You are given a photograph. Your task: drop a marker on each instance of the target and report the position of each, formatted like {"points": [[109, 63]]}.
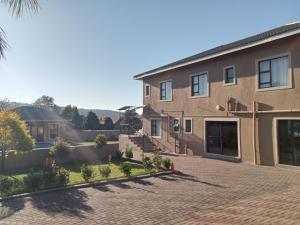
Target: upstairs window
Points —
{"points": [[188, 125], [273, 72], [229, 75], [166, 90], [200, 85], [147, 90]]}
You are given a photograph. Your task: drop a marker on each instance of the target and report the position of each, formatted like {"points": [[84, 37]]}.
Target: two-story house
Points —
{"points": [[239, 101]]}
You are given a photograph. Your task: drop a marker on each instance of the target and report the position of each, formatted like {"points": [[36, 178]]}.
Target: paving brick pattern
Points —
{"points": [[205, 191]]}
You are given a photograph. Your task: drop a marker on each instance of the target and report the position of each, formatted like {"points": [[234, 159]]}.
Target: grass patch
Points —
{"points": [[75, 175]]}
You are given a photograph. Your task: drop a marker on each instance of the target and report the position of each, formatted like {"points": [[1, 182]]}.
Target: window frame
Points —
{"points": [[159, 137], [225, 75], [166, 100], [184, 125], [58, 131], [192, 87], [257, 61], [147, 85]]}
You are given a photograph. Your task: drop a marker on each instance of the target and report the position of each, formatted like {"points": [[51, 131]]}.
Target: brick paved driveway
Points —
{"points": [[205, 192]]}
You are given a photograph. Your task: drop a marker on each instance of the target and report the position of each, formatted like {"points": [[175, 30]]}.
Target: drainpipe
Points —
{"points": [[254, 132]]}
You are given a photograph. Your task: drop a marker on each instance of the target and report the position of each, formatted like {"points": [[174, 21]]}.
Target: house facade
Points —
{"points": [[45, 126], [239, 101]]}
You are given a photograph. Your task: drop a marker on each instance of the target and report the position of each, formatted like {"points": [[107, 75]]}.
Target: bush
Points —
{"points": [[6, 184], [63, 176], [49, 171], [60, 150], [105, 171], [128, 152], [147, 163], [166, 163], [87, 172], [125, 168], [109, 158], [156, 159], [33, 181], [100, 141], [119, 155]]}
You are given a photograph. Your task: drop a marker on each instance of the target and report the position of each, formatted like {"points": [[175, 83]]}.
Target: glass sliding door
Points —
{"points": [[288, 133], [222, 138]]}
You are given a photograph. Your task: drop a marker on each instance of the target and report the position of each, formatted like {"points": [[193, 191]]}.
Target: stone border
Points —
{"points": [[85, 185]]}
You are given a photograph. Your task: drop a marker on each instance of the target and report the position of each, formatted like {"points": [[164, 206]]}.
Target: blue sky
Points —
{"points": [[85, 52]]}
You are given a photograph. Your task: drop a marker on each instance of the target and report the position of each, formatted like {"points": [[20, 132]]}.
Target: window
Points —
{"points": [[273, 72], [176, 125], [147, 90], [166, 90], [229, 75], [53, 131], [188, 125], [199, 85], [155, 127]]}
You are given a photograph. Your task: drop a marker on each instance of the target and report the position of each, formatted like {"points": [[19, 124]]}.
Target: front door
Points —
{"points": [[289, 142]]}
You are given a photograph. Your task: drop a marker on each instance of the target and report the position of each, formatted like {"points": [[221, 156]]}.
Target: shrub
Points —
{"points": [[6, 184], [60, 150], [119, 155], [147, 163], [100, 141], [109, 158], [49, 171], [166, 163], [156, 159], [125, 168], [128, 152], [105, 171], [87, 172], [33, 181], [63, 176]]}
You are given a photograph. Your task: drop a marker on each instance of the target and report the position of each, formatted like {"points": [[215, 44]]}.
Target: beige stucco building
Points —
{"points": [[239, 101]]}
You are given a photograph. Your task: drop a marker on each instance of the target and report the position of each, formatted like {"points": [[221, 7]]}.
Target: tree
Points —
{"points": [[14, 134], [47, 102], [92, 122], [77, 119], [67, 112], [17, 7], [106, 123]]}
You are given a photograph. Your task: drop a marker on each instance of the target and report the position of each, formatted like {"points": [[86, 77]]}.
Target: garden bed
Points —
{"points": [[75, 175]]}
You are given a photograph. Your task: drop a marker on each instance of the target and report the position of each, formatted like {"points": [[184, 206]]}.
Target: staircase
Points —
{"points": [[143, 142]]}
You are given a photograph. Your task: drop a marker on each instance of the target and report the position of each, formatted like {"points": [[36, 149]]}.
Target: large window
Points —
{"points": [[188, 127], [155, 127], [166, 90], [222, 138], [199, 85], [273, 72], [53, 131], [229, 75]]}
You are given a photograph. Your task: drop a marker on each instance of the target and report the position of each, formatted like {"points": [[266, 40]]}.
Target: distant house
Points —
{"points": [[45, 126]]}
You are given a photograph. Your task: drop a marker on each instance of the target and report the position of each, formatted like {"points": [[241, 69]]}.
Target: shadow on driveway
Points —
{"points": [[9, 207]]}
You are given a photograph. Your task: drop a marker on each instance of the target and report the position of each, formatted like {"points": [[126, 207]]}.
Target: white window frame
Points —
{"points": [[218, 156], [184, 124], [58, 131], [224, 75], [191, 84], [290, 80], [147, 85], [176, 132], [158, 137], [275, 138], [166, 100]]}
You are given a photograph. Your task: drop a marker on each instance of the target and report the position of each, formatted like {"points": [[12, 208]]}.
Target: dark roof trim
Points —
{"points": [[262, 38]]}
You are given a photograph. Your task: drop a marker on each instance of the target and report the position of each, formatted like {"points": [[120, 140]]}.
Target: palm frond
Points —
{"points": [[3, 44], [17, 7]]}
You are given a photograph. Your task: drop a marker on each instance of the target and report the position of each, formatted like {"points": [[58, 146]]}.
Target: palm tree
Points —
{"points": [[17, 8]]}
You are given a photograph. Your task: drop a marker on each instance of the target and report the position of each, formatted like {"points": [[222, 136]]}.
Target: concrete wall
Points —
{"points": [[245, 92], [88, 135], [82, 154]]}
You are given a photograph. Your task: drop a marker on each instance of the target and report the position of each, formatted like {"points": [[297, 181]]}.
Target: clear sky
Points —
{"points": [[85, 52]]}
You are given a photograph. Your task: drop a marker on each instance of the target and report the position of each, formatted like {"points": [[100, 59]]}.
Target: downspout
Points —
{"points": [[254, 132]]}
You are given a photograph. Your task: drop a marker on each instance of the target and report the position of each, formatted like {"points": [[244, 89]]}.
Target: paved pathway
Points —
{"points": [[205, 192]]}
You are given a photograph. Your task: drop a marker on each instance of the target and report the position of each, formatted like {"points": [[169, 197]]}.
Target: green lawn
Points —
{"points": [[75, 174]]}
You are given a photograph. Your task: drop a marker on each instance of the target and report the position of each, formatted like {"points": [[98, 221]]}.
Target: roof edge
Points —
{"points": [[260, 42]]}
